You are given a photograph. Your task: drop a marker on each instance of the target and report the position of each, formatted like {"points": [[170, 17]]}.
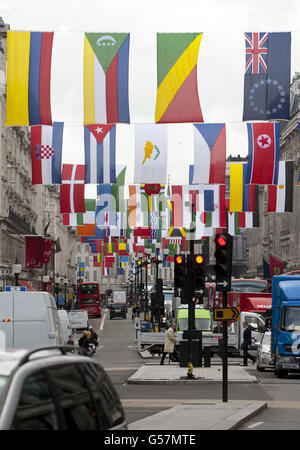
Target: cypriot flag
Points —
{"points": [[151, 148]]}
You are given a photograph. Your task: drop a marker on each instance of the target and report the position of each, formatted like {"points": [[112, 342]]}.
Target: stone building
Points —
{"points": [[26, 209]]}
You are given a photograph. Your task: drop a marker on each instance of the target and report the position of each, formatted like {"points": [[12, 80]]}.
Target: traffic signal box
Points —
{"points": [[179, 275], [223, 266], [198, 275]]}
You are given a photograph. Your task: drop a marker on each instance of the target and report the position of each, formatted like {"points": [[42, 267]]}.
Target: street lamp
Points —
{"points": [[16, 270], [57, 281], [66, 281], [46, 280]]}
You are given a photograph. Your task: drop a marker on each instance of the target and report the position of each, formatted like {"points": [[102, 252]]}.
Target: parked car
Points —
{"points": [[117, 310], [264, 358], [49, 388]]}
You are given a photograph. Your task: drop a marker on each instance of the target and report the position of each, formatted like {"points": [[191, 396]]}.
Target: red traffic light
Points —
{"points": [[179, 260], [199, 259], [221, 241]]}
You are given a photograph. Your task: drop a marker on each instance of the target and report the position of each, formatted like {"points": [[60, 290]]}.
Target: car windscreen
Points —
{"points": [[200, 323], [248, 286], [87, 301], [291, 319], [117, 305], [3, 382]]}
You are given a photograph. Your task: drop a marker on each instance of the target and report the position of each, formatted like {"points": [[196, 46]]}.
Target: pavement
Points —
{"points": [[195, 415]]}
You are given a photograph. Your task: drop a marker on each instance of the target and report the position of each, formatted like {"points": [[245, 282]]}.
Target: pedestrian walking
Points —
{"points": [[169, 347], [246, 344], [219, 328], [70, 342]]}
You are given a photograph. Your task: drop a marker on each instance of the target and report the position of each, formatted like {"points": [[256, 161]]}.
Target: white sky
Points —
{"points": [[220, 64]]}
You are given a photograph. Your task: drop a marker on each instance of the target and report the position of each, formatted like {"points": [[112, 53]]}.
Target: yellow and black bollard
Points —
{"points": [[190, 374]]}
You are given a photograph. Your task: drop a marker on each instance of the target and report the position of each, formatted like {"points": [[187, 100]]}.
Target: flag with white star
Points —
{"points": [[100, 153], [267, 76]]}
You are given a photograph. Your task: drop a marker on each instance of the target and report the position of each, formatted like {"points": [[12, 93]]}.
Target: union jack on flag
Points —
{"points": [[256, 51]]}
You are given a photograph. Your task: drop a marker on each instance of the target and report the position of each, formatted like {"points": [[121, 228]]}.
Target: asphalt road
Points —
{"points": [[118, 355]]}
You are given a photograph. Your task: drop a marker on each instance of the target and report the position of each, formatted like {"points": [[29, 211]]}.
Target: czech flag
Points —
{"points": [[28, 78]]}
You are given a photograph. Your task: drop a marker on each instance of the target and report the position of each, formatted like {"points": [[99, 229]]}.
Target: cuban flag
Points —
{"points": [[72, 189], [209, 153], [267, 76], [100, 153], [263, 153], [46, 153]]}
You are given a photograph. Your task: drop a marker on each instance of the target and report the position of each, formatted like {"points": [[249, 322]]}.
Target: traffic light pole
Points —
{"points": [[191, 321], [224, 353]]}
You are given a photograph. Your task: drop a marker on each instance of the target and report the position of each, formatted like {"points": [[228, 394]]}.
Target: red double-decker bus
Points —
{"points": [[89, 298]]}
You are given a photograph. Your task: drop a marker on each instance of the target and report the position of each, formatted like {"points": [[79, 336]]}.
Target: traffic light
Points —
{"points": [[198, 275], [223, 266], [179, 275]]}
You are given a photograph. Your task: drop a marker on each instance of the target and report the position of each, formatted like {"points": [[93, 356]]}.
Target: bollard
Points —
{"points": [[206, 357]]}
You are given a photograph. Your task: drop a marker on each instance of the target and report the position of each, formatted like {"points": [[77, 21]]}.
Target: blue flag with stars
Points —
{"points": [[267, 76]]}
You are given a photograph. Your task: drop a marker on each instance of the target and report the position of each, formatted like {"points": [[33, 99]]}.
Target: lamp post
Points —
{"points": [[148, 253], [46, 280], [66, 281], [57, 281], [16, 270]]}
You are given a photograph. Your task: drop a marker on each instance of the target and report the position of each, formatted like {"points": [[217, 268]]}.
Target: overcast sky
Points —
{"points": [[220, 64]]}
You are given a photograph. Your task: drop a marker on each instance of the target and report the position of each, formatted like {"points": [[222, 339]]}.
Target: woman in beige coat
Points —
{"points": [[169, 347]]}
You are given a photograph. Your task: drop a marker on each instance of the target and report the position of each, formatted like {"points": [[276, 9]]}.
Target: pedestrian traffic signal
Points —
{"points": [[223, 265], [179, 275], [198, 274]]}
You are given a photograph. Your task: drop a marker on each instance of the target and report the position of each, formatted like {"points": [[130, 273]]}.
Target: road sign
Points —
{"points": [[229, 313]]}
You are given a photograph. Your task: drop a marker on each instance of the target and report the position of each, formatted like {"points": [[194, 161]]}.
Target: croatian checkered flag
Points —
{"points": [[46, 153]]}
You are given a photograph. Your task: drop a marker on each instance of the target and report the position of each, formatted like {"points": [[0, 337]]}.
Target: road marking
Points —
{"points": [[255, 424], [103, 320]]}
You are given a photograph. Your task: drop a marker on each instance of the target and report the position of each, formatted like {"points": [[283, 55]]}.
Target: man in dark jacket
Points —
{"points": [[246, 345]]}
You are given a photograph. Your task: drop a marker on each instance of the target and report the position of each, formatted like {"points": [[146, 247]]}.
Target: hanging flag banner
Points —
{"points": [[280, 196], [28, 78], [46, 153], [177, 89], [77, 219], [34, 258], [209, 153], [276, 265], [151, 152], [100, 153], [267, 76], [263, 153], [72, 189], [236, 186], [106, 64]]}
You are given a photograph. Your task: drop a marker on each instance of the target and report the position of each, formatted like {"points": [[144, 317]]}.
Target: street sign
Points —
{"points": [[229, 313]]}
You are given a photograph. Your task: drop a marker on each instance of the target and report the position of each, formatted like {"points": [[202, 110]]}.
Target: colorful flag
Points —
{"points": [[280, 196], [236, 186], [266, 269], [267, 76], [134, 218], [151, 151], [276, 265], [177, 89], [105, 204], [28, 78], [217, 218], [263, 153], [77, 219], [106, 64], [100, 153], [46, 153], [209, 153], [250, 193], [72, 188]]}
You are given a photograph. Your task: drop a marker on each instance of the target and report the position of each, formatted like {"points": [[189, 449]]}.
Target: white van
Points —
{"points": [[79, 319], [65, 324], [29, 319]]}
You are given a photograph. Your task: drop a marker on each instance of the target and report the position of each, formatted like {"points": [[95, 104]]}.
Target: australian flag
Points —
{"points": [[267, 76]]}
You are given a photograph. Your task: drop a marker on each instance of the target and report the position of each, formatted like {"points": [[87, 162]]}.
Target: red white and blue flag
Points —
{"points": [[46, 153], [100, 153], [72, 189], [263, 153], [209, 153], [267, 76]]}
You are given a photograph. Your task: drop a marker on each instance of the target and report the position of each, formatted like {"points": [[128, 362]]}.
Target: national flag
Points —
{"points": [[81, 269], [280, 196], [177, 88], [100, 153], [105, 205], [46, 153], [28, 78], [266, 269], [76, 219], [267, 76], [106, 67], [276, 265], [72, 188], [151, 151], [236, 186], [134, 218], [86, 230], [263, 153], [209, 153], [34, 254], [217, 218], [250, 193]]}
